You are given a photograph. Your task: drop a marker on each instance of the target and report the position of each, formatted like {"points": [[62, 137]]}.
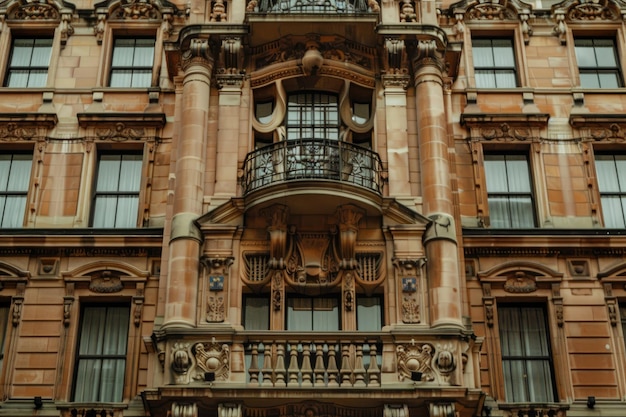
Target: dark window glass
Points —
{"points": [[132, 61], [28, 65], [611, 171], [597, 63], [526, 357], [14, 179], [116, 200], [101, 359], [494, 63], [509, 191]]}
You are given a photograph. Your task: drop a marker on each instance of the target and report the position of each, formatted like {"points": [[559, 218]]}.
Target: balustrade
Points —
{"points": [[313, 363]]}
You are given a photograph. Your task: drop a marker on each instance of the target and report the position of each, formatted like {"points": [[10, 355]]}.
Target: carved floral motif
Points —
{"points": [[415, 358]]}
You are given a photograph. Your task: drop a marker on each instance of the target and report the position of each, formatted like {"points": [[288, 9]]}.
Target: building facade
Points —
{"points": [[303, 208]]}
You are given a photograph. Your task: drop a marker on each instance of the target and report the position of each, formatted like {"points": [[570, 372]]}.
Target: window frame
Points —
{"points": [[598, 69], [294, 128], [515, 68], [24, 193], [133, 69], [621, 193], [118, 193], [549, 357], [29, 68], [531, 194], [333, 297], [124, 357]]}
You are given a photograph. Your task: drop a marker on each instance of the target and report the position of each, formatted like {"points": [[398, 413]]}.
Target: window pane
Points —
{"points": [[131, 63], [611, 175], [118, 183], [14, 181], [257, 313], [29, 62], [101, 358], [609, 80], [127, 207], [368, 313], [597, 63]]}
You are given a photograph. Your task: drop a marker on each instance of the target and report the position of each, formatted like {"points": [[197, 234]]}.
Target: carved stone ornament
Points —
{"points": [[31, 10], [136, 10], [591, 10], [215, 309], [13, 132], [520, 283], [119, 133], [612, 133], [184, 410], [180, 361], [490, 11], [410, 310], [415, 357], [445, 363], [407, 11], [505, 132], [105, 282], [212, 357], [427, 52], [441, 409], [218, 11]]}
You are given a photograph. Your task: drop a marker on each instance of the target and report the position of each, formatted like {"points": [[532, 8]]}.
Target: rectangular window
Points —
{"points": [[256, 314], [494, 63], [28, 65], [313, 314], [116, 200], [132, 61], [622, 314], [509, 191], [101, 360], [369, 313], [526, 358], [597, 63], [14, 179], [611, 171], [4, 323]]}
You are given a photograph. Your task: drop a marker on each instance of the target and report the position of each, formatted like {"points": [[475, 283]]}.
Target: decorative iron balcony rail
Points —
{"points": [[313, 6], [304, 159], [313, 363]]}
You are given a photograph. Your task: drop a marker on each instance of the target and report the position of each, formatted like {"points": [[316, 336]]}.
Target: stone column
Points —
{"points": [[185, 239], [440, 239]]}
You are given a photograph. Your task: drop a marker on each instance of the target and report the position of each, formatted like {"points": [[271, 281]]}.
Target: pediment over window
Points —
{"points": [[609, 128], [122, 126], [616, 273], [491, 10], [520, 277], [36, 11], [11, 275], [136, 10], [505, 127], [106, 277], [26, 126], [589, 11]]}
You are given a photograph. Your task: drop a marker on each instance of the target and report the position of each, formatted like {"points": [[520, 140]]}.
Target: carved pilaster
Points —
{"points": [[611, 303], [409, 272], [217, 271], [277, 291], [68, 301], [488, 301], [138, 300]]}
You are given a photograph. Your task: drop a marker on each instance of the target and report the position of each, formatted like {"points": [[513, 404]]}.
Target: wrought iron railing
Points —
{"points": [[313, 6], [305, 159]]}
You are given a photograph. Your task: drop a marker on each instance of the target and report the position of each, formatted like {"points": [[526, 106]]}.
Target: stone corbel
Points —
{"points": [[18, 302], [560, 29], [557, 300], [441, 227], [66, 28], [184, 410], [427, 52], [277, 216], [611, 303], [527, 30], [199, 51], [395, 62], [138, 300], [98, 29], [348, 217], [68, 301], [488, 301]]}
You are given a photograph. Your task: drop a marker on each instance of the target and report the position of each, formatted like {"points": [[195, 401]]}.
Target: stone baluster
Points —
{"points": [[346, 369], [254, 364], [332, 367], [307, 371], [293, 365], [267, 370], [280, 372], [359, 369], [373, 371], [319, 364]]}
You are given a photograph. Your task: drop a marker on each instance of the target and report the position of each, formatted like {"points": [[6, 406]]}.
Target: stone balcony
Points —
{"points": [[312, 159]]}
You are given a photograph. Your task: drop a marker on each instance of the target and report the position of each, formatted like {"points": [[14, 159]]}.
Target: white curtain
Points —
{"points": [[257, 313], [117, 191], [525, 354], [14, 179], [102, 354], [368, 314], [509, 190], [611, 173], [313, 314], [132, 63]]}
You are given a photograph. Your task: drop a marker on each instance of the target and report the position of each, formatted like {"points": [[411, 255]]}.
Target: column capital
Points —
{"points": [[199, 52], [428, 54]]}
